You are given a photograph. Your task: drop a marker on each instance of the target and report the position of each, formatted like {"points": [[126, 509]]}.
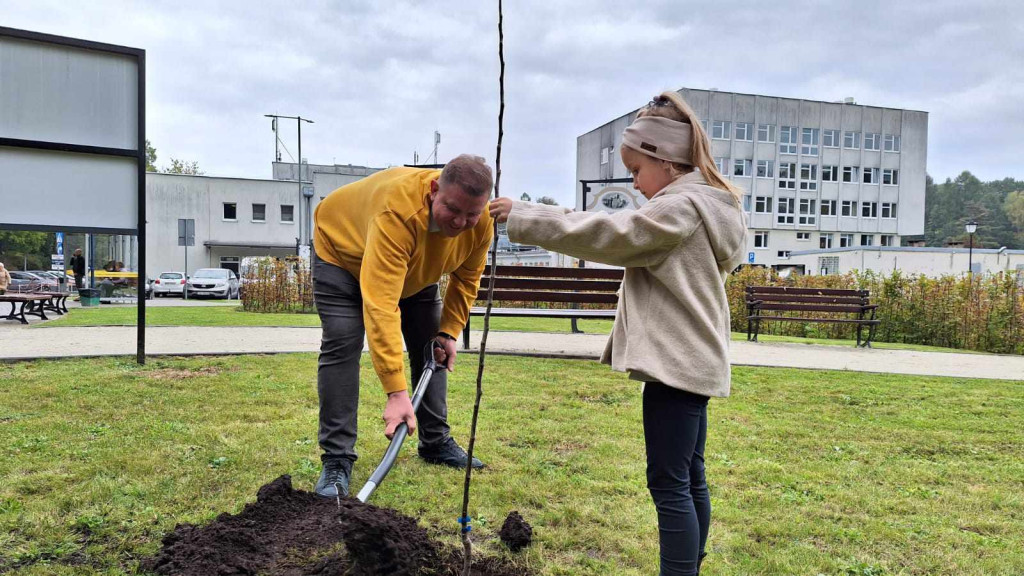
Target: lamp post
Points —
{"points": [[298, 121], [971, 228]]}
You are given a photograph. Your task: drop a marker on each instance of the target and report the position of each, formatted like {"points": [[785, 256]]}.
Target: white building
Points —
{"points": [[909, 260], [816, 174], [235, 217]]}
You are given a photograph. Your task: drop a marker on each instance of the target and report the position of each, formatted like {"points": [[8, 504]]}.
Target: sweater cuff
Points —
{"points": [[393, 382], [452, 328], [519, 208]]}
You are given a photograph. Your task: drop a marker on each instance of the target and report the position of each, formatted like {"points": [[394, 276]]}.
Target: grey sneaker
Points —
{"points": [[334, 478], [448, 453]]}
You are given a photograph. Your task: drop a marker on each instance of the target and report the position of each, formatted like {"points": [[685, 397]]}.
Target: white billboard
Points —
{"points": [[72, 133]]}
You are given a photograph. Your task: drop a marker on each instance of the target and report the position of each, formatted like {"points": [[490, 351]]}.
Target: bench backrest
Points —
{"points": [[553, 284], [786, 299]]}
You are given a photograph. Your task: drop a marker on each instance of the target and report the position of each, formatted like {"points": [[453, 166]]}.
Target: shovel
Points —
{"points": [[429, 367]]}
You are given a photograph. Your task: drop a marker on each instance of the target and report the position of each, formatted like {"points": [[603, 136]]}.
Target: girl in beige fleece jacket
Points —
{"points": [[671, 328]]}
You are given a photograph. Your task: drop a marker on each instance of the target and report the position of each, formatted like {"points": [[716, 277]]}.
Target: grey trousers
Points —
{"points": [[340, 305]]}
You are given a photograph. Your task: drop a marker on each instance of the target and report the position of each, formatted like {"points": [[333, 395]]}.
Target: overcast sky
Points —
{"points": [[379, 77]]}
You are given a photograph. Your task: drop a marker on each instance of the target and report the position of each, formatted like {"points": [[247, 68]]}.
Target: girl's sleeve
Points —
{"points": [[631, 238]]}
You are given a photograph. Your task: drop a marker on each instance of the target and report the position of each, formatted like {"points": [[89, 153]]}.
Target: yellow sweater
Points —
{"points": [[378, 230]]}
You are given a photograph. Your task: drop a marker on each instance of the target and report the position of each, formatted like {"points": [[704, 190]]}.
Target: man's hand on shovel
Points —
{"points": [[445, 355], [398, 410]]}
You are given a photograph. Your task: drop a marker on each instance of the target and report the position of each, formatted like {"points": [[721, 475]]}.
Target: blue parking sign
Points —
{"points": [[750, 257], [60, 243]]}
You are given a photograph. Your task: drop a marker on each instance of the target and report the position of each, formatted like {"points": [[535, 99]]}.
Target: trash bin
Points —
{"points": [[89, 297]]}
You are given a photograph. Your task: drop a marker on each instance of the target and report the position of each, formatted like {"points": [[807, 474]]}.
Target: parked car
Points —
{"points": [[49, 277], [39, 282], [169, 283], [218, 282], [24, 282]]}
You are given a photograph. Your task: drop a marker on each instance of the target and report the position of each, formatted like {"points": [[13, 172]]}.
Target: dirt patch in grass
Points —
{"points": [[516, 533], [289, 532], [182, 373]]}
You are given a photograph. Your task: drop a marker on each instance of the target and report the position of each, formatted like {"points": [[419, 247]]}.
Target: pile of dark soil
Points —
{"points": [[516, 533], [289, 532]]}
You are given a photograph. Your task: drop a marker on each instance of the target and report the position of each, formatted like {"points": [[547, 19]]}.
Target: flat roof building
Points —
{"points": [[816, 174]]}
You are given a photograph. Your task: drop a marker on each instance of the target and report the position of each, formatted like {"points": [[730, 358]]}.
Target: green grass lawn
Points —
{"points": [[812, 472], [234, 316]]}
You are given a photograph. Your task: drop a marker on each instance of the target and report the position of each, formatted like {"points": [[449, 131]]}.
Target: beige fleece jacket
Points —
{"points": [[672, 322]]}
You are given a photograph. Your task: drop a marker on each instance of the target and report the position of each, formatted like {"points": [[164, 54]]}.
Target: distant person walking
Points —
{"points": [[78, 268], [5, 278]]}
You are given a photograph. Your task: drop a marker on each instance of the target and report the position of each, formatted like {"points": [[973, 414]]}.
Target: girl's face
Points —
{"points": [[650, 175]]}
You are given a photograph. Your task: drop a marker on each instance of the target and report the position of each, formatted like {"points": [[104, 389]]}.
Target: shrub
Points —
{"points": [[275, 285]]}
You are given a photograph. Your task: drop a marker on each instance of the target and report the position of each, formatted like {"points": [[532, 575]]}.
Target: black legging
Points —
{"points": [[675, 430]]}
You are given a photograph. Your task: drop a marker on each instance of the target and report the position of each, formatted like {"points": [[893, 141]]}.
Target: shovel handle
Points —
{"points": [[391, 454]]}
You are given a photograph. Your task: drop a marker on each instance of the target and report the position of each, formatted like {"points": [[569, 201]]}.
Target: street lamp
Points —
{"points": [[298, 120], [971, 228]]}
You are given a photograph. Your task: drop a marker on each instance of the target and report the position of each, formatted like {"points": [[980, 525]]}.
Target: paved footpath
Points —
{"points": [[22, 342]]}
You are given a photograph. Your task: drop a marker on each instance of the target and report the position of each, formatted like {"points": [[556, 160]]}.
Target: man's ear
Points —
{"points": [[434, 187]]}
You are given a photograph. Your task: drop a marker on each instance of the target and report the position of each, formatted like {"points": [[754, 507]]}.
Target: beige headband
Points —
{"points": [[660, 138]]}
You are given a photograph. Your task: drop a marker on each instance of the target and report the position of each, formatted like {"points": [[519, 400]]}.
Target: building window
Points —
{"points": [[808, 176], [287, 213], [704, 124], [741, 167], [803, 236], [760, 239], [888, 210], [746, 202], [763, 205], [782, 253], [891, 177], [869, 209], [720, 130], [786, 209], [722, 165], [808, 212], [230, 211], [851, 140], [887, 239], [787, 175], [259, 212], [849, 208], [606, 153], [871, 175], [828, 207], [830, 138], [867, 240], [872, 141], [845, 240], [892, 143], [787, 140], [809, 142], [828, 265], [849, 173], [766, 169], [830, 173], [744, 132], [825, 241], [766, 133]]}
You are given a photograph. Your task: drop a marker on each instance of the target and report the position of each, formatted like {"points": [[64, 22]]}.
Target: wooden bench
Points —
{"points": [[776, 299], [57, 302], [549, 285], [27, 301]]}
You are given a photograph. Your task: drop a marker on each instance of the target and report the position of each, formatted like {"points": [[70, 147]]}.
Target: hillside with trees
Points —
{"points": [[997, 207]]}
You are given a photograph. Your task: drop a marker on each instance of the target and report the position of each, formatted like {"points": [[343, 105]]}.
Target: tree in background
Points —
{"points": [[1014, 208], [150, 158], [950, 205], [547, 200], [525, 197], [184, 167], [21, 250]]}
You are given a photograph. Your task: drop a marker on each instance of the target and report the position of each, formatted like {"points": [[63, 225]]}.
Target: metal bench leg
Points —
{"points": [[21, 313], [575, 328], [465, 336]]}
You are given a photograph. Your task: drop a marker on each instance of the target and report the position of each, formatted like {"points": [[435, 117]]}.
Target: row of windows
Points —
{"points": [[825, 240], [808, 173], [807, 209], [792, 138], [259, 212]]}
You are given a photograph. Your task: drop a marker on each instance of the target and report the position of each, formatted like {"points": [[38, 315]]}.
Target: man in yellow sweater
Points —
{"points": [[380, 246]]}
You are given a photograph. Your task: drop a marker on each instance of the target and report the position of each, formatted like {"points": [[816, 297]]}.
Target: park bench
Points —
{"points": [[550, 285], [57, 302], [778, 299], [28, 306]]}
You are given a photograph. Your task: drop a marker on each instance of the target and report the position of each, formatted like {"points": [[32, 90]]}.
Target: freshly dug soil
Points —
{"points": [[288, 532], [516, 533]]}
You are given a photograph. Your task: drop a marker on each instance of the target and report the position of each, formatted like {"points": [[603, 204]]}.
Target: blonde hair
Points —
{"points": [[672, 106]]}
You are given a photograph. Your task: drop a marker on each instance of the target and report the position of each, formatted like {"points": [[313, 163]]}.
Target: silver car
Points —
{"points": [[216, 282]]}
